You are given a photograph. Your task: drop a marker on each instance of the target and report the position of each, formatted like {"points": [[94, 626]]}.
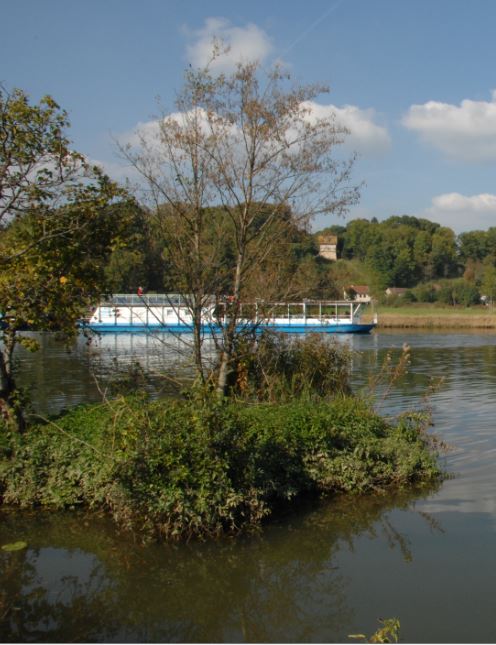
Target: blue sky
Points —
{"points": [[414, 81]]}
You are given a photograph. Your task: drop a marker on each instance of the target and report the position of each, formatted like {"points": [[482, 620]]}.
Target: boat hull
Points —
{"points": [[331, 328]]}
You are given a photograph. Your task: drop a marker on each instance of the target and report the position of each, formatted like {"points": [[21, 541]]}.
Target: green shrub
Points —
{"points": [[280, 367], [425, 293], [179, 469], [409, 296], [459, 292]]}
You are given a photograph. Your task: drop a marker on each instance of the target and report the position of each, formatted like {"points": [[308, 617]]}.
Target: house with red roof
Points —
{"points": [[357, 292]]}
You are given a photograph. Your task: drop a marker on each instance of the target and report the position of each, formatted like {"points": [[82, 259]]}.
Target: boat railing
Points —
{"points": [[320, 309]]}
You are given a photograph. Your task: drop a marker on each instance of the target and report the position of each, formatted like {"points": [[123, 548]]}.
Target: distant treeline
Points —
{"points": [[401, 251], [404, 250]]}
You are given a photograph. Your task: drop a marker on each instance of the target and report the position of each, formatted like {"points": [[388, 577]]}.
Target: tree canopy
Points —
{"points": [[58, 227]]}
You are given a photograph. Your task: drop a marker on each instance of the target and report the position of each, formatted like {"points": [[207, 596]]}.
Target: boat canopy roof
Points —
{"points": [[181, 300], [148, 299]]}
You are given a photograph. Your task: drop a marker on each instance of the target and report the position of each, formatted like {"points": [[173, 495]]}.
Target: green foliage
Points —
{"points": [[293, 268], [459, 292], [58, 227], [178, 469], [402, 250], [55, 270], [473, 245], [399, 251], [388, 633], [36, 159], [425, 293], [135, 260], [488, 282], [14, 546], [409, 296], [278, 367]]}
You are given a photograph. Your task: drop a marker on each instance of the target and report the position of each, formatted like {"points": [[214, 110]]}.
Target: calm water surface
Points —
{"points": [[317, 575]]}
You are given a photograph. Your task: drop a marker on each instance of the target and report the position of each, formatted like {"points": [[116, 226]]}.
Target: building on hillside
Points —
{"points": [[328, 246], [396, 291], [357, 292]]}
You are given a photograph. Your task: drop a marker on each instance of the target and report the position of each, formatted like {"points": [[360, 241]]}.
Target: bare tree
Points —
{"points": [[240, 159]]}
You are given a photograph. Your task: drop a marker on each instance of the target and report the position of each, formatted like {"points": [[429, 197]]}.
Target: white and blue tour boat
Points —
{"points": [[169, 313]]}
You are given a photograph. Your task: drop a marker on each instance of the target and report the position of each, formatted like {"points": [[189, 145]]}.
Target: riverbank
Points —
{"points": [[425, 317], [180, 469]]}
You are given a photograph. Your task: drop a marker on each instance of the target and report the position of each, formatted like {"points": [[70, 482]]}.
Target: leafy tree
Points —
{"points": [[138, 259], [360, 236], [409, 296], [472, 245], [56, 231], [459, 292], [401, 250], [444, 253], [422, 247], [380, 258], [488, 285], [491, 241]]}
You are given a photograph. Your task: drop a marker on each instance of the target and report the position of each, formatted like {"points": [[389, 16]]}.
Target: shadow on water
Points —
{"points": [[79, 580]]}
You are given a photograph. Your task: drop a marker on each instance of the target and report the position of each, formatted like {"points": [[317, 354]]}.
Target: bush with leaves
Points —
{"points": [[459, 292], [178, 469], [279, 367]]}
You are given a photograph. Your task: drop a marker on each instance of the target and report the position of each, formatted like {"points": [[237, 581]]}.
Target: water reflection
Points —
{"points": [[59, 377], [316, 575], [79, 580]]}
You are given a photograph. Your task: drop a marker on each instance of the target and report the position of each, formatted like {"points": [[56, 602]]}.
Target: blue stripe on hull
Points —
{"points": [[351, 328]]}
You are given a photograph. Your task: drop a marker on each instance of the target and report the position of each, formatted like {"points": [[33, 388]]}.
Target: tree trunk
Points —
{"points": [[197, 340], [225, 365], [10, 407]]}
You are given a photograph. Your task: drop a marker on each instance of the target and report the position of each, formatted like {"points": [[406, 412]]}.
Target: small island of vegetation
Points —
{"points": [[198, 466], [229, 187]]}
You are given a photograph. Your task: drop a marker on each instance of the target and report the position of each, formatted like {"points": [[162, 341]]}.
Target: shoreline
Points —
{"points": [[436, 321]]}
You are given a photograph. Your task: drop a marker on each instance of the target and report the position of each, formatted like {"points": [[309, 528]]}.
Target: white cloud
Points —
{"points": [[463, 212], [454, 202], [466, 131], [246, 44], [148, 131], [366, 137]]}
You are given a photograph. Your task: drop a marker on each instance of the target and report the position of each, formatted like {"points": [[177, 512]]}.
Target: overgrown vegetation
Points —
{"points": [[279, 368], [179, 469]]}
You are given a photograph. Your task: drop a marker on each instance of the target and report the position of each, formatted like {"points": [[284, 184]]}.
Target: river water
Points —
{"points": [[316, 575]]}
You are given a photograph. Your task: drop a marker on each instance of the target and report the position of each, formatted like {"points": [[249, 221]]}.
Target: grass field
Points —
{"points": [[435, 316]]}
